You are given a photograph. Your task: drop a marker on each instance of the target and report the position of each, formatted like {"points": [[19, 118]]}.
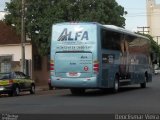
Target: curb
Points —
{"points": [[42, 88]]}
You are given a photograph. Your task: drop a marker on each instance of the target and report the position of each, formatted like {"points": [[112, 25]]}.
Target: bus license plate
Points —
{"points": [[73, 74]]}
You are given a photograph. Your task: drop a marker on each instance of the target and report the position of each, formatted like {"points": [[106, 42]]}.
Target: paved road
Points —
{"points": [[131, 99]]}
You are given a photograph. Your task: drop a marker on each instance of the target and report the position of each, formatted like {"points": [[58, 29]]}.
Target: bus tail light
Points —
{"points": [[52, 65], [96, 66]]}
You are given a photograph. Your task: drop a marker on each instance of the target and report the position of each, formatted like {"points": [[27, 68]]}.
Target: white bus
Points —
{"points": [[89, 55]]}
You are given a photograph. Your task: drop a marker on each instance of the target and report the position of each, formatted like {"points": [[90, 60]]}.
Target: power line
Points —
{"points": [[157, 37], [143, 30], [135, 8], [142, 15]]}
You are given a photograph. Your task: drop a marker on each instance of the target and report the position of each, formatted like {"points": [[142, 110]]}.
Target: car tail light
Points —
{"points": [[52, 65], [96, 66], [10, 81]]}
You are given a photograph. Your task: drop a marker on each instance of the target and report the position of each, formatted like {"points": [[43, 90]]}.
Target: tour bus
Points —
{"points": [[88, 55]]}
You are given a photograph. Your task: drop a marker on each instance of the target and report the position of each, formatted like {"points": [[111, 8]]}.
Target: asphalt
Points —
{"points": [[42, 88]]}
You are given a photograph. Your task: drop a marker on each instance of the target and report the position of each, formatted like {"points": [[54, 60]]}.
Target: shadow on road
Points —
{"points": [[21, 94], [104, 92]]}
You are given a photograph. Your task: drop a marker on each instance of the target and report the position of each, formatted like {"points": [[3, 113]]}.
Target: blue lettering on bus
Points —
{"points": [[78, 35], [85, 35], [69, 36], [84, 57]]}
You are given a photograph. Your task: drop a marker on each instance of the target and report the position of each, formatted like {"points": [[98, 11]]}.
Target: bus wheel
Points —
{"points": [[77, 91], [143, 85], [116, 85]]}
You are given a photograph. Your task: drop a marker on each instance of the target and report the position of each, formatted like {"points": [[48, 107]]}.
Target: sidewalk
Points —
{"points": [[42, 87]]}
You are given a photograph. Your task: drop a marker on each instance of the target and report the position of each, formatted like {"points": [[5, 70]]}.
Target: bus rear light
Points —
{"points": [[96, 66], [52, 65], [96, 69]]}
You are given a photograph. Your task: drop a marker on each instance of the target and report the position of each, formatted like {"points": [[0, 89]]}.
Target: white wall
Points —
{"points": [[153, 19], [15, 51]]}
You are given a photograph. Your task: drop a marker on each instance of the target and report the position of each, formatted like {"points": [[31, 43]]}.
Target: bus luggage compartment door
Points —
{"points": [[73, 64]]}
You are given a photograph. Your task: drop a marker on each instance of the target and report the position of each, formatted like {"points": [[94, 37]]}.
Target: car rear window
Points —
{"points": [[4, 76]]}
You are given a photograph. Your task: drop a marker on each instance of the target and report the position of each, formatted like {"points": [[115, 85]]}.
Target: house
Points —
{"points": [[37, 67]]}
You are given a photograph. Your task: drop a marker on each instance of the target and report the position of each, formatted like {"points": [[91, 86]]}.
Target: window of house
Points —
{"points": [[5, 63]]}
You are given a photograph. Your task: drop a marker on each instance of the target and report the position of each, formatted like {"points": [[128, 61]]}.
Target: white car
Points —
{"points": [[157, 71]]}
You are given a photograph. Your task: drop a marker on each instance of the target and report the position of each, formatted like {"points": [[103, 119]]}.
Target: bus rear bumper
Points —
{"points": [[90, 82]]}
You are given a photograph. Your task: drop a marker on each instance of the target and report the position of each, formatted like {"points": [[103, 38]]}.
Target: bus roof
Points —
{"points": [[122, 30], [110, 27]]}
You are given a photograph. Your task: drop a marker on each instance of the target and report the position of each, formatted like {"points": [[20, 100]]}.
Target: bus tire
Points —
{"points": [[115, 88], [144, 84], [77, 91]]}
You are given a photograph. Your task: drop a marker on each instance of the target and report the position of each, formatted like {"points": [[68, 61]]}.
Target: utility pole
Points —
{"points": [[23, 38], [157, 38], [143, 31]]}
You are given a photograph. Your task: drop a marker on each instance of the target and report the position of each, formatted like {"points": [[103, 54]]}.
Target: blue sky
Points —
{"points": [[2, 4], [136, 16]]}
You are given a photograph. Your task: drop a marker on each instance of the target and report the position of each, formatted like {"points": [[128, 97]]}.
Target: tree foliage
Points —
{"points": [[155, 48], [41, 14]]}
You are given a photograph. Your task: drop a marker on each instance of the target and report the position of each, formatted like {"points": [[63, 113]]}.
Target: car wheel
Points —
{"points": [[16, 91], [32, 90]]}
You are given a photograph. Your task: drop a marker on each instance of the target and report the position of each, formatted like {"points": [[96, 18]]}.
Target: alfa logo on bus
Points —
{"points": [[67, 35], [86, 68]]}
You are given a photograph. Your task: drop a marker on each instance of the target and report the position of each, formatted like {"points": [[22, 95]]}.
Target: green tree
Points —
{"points": [[41, 14], [155, 48]]}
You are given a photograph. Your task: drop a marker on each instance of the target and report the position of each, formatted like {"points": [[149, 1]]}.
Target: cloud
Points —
{"points": [[2, 15]]}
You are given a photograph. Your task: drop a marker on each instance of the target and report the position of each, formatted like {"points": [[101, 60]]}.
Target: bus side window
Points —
{"points": [[108, 58], [110, 40], [104, 58]]}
